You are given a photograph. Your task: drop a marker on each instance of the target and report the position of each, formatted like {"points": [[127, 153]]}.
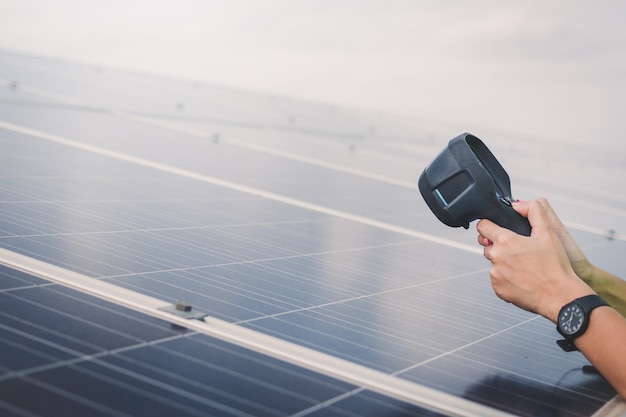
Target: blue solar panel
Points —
{"points": [[292, 219]]}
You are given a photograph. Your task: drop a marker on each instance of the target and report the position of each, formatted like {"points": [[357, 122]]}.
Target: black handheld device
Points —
{"points": [[466, 182]]}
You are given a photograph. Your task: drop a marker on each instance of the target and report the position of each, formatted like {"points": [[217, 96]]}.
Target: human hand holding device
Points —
{"points": [[542, 273], [607, 285], [533, 272]]}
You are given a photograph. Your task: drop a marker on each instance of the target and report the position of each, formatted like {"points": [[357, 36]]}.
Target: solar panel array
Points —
{"points": [[297, 220]]}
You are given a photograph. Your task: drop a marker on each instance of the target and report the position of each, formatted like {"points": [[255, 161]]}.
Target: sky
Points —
{"points": [[550, 69]]}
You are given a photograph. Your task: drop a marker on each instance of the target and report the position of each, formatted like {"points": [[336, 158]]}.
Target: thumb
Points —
{"points": [[552, 217], [536, 213], [521, 206]]}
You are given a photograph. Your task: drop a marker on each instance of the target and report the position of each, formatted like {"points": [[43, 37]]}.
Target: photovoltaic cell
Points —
{"points": [[297, 220]]}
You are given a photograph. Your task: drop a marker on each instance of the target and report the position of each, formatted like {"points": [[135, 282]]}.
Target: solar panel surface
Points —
{"points": [[297, 220]]}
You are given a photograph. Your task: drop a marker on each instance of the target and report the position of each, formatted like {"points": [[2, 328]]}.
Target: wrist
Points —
{"points": [[572, 289], [574, 319]]}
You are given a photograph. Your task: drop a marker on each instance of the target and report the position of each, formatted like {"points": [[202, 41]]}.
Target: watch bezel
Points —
{"points": [[575, 310]]}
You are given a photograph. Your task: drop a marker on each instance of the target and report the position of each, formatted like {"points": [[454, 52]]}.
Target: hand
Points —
{"points": [[579, 262], [581, 265], [532, 272]]}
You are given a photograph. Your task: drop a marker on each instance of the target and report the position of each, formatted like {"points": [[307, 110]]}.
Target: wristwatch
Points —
{"points": [[573, 319]]}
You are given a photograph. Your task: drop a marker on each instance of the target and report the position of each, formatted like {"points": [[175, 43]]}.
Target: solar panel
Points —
{"points": [[284, 222]]}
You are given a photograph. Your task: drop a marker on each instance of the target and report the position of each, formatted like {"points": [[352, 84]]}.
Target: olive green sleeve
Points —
{"points": [[609, 287]]}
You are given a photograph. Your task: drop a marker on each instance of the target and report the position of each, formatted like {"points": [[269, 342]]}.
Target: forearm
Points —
{"points": [[609, 287], [604, 344]]}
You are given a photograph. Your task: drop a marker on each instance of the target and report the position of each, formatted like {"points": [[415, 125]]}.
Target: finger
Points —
{"points": [[483, 241], [537, 216], [490, 231], [552, 216], [485, 228], [521, 206], [486, 253]]}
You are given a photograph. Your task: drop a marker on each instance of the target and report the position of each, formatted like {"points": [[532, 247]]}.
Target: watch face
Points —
{"points": [[571, 319]]}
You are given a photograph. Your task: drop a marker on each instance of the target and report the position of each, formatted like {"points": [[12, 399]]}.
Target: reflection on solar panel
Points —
{"points": [[329, 287]]}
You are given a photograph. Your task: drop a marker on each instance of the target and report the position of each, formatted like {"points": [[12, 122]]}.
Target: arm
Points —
{"points": [[604, 344], [535, 273]]}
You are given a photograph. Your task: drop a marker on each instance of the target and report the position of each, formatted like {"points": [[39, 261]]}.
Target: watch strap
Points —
{"points": [[587, 303], [567, 345]]}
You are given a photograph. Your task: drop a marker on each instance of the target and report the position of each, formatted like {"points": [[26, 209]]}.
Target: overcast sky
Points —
{"points": [[555, 69]]}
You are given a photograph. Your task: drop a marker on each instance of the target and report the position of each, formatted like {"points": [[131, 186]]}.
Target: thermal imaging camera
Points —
{"points": [[466, 182]]}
